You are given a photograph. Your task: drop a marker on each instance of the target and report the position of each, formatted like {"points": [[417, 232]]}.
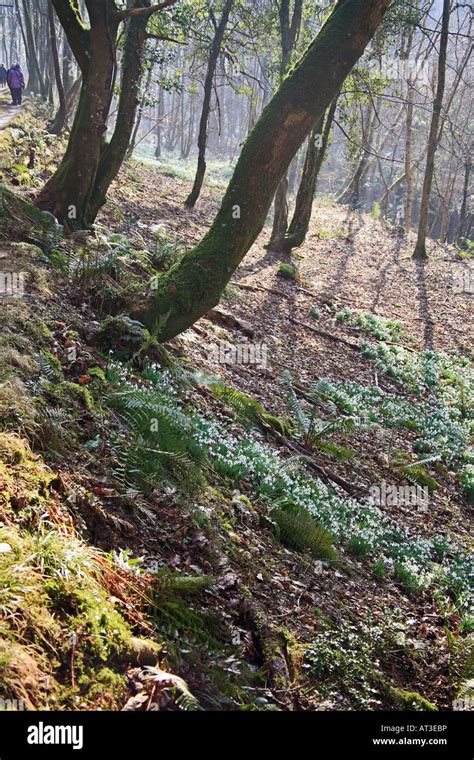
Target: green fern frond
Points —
{"points": [[245, 406], [299, 530], [294, 405], [184, 697]]}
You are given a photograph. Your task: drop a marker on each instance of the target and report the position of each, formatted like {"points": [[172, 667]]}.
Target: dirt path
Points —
{"points": [[7, 111]]}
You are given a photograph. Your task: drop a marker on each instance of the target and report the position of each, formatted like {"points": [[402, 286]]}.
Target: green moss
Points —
{"points": [[83, 395], [411, 700], [51, 591], [51, 366], [288, 272], [39, 330]]}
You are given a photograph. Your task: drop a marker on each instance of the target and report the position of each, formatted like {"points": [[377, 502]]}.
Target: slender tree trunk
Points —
{"points": [[409, 158], [36, 83], [138, 120], [446, 202], [315, 156], [351, 194], [289, 32], [60, 119], [420, 249], [159, 128], [192, 287], [465, 194], [214, 53]]}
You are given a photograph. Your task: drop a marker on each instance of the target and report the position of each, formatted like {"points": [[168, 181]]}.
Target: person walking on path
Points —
{"points": [[16, 83], [3, 76]]}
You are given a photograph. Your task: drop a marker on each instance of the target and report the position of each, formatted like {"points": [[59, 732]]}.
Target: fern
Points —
{"points": [[294, 405], [161, 447], [244, 405], [310, 427], [298, 530], [170, 583], [184, 697]]}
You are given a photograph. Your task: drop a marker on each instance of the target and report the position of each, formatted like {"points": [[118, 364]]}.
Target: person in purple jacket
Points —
{"points": [[16, 83]]}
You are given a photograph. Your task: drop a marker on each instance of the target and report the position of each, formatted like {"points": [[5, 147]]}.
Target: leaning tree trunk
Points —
{"points": [[206, 106], [420, 249], [314, 160], [192, 287]]}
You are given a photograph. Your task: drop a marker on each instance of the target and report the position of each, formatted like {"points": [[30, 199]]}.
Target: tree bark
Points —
{"points": [[351, 194], [68, 192], [194, 286], [409, 159], [433, 139], [206, 106], [315, 156], [78, 189], [465, 193], [60, 118], [36, 83], [289, 32]]}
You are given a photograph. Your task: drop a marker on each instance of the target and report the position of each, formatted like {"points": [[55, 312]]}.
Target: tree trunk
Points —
{"points": [[206, 106], [420, 249], [68, 192], [465, 193], [315, 156], [194, 286], [134, 137], [36, 83], [289, 32], [60, 119], [409, 158], [351, 195]]}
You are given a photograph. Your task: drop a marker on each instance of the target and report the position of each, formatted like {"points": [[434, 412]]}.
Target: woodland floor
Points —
{"points": [[348, 260]]}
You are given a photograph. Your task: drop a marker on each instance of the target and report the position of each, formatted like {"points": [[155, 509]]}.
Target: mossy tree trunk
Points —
{"points": [[192, 287], [433, 139], [77, 190], [219, 32], [68, 192], [114, 152], [290, 26]]}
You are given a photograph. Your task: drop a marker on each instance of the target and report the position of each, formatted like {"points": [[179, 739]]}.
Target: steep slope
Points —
{"points": [[203, 513]]}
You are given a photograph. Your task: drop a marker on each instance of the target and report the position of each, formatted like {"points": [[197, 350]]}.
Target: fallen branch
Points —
{"points": [[324, 334]]}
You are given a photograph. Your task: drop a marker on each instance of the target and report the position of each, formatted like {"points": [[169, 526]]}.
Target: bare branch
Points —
{"points": [[146, 11], [165, 38]]}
